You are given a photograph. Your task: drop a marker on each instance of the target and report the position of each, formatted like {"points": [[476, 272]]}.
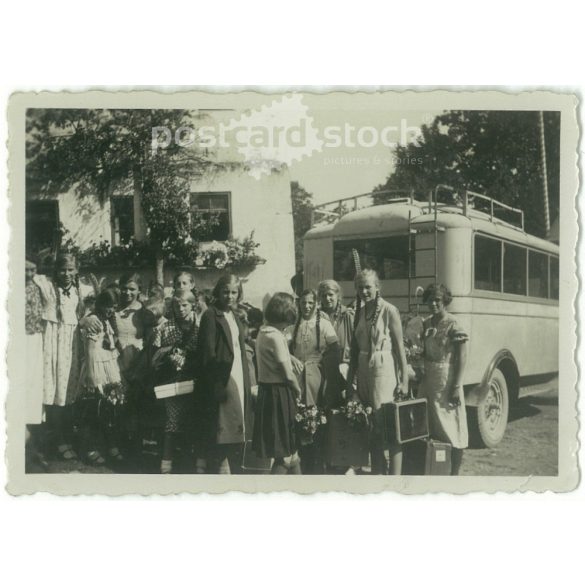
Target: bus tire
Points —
{"points": [[490, 418]]}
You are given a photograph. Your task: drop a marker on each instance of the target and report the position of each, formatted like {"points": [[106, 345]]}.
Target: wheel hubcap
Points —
{"points": [[494, 405]]}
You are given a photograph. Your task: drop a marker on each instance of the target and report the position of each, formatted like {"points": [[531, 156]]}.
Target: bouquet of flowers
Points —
{"points": [[357, 414], [177, 358], [166, 355], [112, 397], [414, 359], [309, 419]]}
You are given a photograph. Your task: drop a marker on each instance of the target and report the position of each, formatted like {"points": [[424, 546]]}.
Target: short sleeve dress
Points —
{"points": [[105, 359], [447, 423]]}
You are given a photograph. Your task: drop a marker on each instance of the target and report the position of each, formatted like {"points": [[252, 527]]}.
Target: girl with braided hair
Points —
{"points": [[102, 394], [311, 337], [376, 340], [330, 295]]}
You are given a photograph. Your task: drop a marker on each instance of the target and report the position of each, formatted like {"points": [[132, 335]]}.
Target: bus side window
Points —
{"points": [[554, 278], [389, 257], [514, 269], [537, 275], [488, 264]]}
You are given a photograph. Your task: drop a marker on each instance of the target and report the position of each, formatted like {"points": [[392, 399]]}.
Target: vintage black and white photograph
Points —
{"points": [[341, 286]]}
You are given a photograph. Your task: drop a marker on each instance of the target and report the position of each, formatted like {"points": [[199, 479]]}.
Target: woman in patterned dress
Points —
{"points": [[34, 327], [173, 347], [445, 356]]}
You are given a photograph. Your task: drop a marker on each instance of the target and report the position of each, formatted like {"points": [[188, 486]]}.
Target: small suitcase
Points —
{"points": [[253, 464], [405, 421], [427, 457], [346, 445]]}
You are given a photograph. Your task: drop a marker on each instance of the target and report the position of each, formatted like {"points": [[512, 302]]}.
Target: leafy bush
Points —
{"points": [[233, 253]]}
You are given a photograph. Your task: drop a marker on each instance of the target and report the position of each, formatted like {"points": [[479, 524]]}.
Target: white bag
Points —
{"points": [[174, 389]]}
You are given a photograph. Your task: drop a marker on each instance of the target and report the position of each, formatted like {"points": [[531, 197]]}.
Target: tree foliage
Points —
{"points": [[491, 152], [99, 151], [302, 205]]}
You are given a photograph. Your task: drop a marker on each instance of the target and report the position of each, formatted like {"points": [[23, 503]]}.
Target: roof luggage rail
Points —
{"points": [[467, 199], [463, 198], [340, 207]]}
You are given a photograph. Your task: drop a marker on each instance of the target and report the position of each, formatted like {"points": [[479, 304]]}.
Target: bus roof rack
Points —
{"points": [[462, 198], [340, 207], [471, 200]]}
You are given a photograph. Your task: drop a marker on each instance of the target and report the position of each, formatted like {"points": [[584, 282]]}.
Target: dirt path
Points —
{"points": [[530, 445]]}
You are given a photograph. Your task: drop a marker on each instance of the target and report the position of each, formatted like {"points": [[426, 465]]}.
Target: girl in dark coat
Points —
{"points": [[224, 382]]}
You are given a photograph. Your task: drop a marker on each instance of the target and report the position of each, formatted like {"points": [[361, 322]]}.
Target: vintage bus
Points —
{"points": [[505, 283]]}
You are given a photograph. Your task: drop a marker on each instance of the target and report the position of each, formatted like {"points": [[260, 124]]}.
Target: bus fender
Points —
{"points": [[504, 360]]}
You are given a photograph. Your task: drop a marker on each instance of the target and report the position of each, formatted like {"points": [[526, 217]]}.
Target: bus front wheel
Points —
{"points": [[492, 411]]}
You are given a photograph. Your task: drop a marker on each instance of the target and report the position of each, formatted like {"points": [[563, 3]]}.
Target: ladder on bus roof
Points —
{"points": [[421, 227]]}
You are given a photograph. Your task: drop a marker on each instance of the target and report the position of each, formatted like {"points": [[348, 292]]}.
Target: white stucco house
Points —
{"points": [[244, 204]]}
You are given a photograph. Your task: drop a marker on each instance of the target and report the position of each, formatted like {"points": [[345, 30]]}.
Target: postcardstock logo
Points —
{"points": [[275, 135]]}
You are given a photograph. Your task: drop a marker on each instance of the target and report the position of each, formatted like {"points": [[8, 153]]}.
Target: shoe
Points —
{"points": [[67, 453], [166, 466], [115, 455], [201, 466], [94, 458]]}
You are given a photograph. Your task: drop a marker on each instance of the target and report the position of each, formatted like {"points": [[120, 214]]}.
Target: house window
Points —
{"points": [[210, 216], [122, 215], [488, 264], [389, 257], [42, 226]]}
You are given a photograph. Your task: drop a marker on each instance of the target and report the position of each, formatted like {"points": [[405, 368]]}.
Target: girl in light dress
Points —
{"points": [[376, 340], [312, 336], [129, 323], [445, 356], [129, 326], [274, 433], [62, 308], [102, 393], [224, 378]]}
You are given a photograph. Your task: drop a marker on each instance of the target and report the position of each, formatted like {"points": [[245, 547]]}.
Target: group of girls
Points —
{"points": [[333, 353], [100, 367]]}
